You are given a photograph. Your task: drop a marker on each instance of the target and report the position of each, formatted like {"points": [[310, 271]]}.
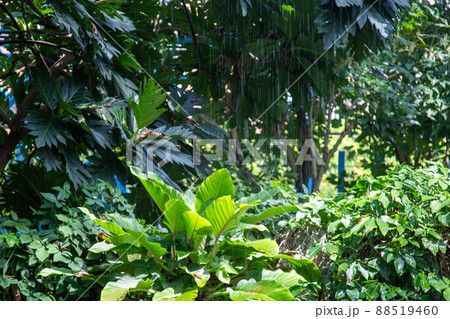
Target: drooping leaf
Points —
{"points": [[117, 290], [304, 267], [158, 190], [169, 294], [260, 197], [264, 290]]}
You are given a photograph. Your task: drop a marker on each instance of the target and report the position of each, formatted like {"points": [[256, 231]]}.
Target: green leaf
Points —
{"points": [[66, 230], [173, 215], [41, 253], [384, 200], [48, 129], [399, 264], [46, 86], [304, 267], [331, 248], [221, 215], [218, 184], [262, 290], [431, 244], [150, 98], [273, 211], [117, 290], [353, 294], [201, 274], [101, 247], [435, 206], [382, 226], [196, 225], [286, 279], [268, 246], [170, 295], [259, 198], [447, 294], [158, 190], [55, 271]]}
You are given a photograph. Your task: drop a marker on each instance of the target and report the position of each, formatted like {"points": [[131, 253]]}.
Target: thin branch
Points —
{"points": [[13, 21], [37, 42], [194, 38], [53, 34]]}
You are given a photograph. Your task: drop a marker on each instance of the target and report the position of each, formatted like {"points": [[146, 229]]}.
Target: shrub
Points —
{"points": [[386, 239], [57, 236]]}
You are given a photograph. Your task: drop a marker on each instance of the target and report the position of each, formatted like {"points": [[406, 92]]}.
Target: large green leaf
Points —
{"points": [[265, 290], [196, 225], [150, 98], [158, 190], [216, 185], [273, 211], [286, 279], [221, 215], [170, 295], [304, 267], [49, 130], [268, 246], [117, 290], [173, 215]]}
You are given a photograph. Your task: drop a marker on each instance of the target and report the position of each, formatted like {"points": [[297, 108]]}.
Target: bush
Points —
{"points": [[386, 239], [57, 236]]}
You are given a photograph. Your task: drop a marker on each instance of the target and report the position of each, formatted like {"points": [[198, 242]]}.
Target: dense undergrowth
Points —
{"points": [[386, 239]]}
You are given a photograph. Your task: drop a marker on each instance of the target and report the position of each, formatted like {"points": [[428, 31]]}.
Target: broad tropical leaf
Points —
{"points": [[268, 246], [117, 290], [196, 225], [158, 190], [304, 267], [200, 273], [264, 290], [170, 295], [216, 185], [173, 215], [221, 215]]}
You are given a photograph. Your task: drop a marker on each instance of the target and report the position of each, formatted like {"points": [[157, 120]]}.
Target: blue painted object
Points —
{"points": [[341, 168], [123, 189], [310, 184]]}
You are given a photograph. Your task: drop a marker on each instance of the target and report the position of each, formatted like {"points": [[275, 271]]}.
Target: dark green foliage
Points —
{"points": [[62, 243]]}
